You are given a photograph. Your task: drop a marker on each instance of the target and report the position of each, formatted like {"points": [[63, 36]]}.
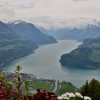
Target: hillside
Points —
{"points": [[86, 55], [29, 31], [12, 46], [6, 32], [18, 39]]}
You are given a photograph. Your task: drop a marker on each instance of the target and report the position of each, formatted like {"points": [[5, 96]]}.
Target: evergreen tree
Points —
{"points": [[91, 89], [94, 89], [84, 90]]}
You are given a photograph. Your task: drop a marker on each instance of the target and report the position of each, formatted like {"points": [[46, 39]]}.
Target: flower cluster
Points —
{"points": [[12, 94], [73, 96], [15, 90], [44, 95]]}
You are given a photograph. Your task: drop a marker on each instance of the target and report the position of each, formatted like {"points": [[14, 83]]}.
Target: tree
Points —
{"points": [[85, 90], [94, 89], [91, 89]]}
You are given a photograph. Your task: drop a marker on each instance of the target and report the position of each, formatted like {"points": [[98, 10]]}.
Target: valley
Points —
{"points": [[40, 53], [19, 39], [44, 63]]}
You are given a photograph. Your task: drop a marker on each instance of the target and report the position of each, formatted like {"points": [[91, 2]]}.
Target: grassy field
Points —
{"points": [[66, 87], [41, 85], [63, 87]]}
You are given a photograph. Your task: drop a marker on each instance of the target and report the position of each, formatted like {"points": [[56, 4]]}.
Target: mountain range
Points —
{"points": [[28, 31], [76, 33], [18, 39], [86, 55]]}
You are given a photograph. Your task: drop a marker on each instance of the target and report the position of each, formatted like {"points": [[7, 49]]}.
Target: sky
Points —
{"points": [[51, 13]]}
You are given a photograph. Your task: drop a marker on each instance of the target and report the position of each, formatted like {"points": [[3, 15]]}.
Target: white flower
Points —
{"points": [[72, 95], [63, 95], [67, 94], [60, 98], [65, 98], [87, 98], [78, 95]]}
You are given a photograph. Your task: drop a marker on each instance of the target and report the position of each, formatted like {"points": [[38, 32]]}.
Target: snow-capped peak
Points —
{"points": [[16, 22]]}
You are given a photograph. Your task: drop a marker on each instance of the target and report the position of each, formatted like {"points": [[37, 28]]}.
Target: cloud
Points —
{"points": [[6, 13], [26, 6], [50, 12], [80, 0], [21, 4]]}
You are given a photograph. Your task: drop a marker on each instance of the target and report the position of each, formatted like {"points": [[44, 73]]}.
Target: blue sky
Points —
{"points": [[48, 13]]}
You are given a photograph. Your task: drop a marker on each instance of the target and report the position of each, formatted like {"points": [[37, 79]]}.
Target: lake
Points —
{"points": [[44, 63]]}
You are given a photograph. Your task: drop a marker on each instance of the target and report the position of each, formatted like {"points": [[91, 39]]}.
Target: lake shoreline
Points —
{"points": [[44, 63], [5, 64]]}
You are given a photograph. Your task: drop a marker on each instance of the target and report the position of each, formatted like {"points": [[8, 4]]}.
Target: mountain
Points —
{"points": [[91, 31], [6, 32], [76, 33], [29, 31], [18, 39], [86, 55], [12, 46]]}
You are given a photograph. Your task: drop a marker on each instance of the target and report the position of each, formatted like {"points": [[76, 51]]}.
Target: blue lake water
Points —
{"points": [[44, 63]]}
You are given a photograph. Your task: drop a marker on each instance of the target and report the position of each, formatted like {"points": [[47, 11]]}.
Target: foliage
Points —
{"points": [[84, 89], [14, 90], [91, 89]]}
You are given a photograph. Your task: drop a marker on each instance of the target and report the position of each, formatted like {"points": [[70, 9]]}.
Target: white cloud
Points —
{"points": [[80, 0], [51, 12]]}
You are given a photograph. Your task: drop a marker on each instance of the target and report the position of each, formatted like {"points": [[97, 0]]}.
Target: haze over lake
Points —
{"points": [[44, 63]]}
